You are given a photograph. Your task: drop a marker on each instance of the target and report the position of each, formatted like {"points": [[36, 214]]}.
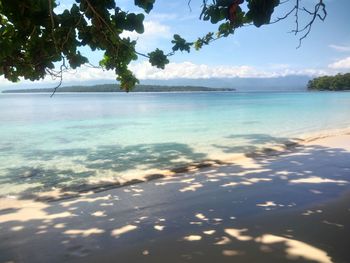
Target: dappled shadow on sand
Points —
{"points": [[110, 161], [57, 174], [252, 142], [264, 209]]}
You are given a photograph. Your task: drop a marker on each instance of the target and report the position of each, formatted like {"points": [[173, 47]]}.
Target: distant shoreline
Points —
{"points": [[116, 88]]}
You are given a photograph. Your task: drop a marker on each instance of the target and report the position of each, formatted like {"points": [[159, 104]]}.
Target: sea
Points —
{"points": [[73, 140]]}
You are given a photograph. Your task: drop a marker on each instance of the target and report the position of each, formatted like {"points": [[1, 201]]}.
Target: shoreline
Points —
{"points": [[271, 209], [264, 151]]}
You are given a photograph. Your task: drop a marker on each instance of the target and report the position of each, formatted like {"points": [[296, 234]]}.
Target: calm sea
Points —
{"points": [[71, 139]]}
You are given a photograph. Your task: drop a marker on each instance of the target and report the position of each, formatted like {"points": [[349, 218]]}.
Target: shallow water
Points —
{"points": [[71, 139]]}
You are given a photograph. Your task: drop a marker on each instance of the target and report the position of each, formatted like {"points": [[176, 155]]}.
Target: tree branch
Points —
{"points": [[59, 75], [319, 12]]}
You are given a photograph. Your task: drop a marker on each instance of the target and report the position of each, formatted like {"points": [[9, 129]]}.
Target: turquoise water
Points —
{"points": [[72, 139]]}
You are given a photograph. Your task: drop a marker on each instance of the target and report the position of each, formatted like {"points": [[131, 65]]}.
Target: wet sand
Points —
{"points": [[287, 207]]}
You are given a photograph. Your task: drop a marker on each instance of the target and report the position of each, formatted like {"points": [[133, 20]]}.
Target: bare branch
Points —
{"points": [[296, 17], [189, 5], [283, 17], [60, 76], [319, 12]]}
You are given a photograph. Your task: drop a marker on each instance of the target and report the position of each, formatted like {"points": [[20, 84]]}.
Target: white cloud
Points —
{"points": [[149, 40], [340, 48], [196, 71], [89, 73], [144, 70], [341, 64], [82, 74], [152, 29], [306, 71]]}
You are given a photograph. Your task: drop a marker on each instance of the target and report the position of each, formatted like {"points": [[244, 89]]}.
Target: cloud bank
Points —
{"points": [[144, 70], [183, 70], [341, 64]]}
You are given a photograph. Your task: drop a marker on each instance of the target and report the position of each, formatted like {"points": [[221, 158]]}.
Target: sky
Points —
{"points": [[268, 51]]}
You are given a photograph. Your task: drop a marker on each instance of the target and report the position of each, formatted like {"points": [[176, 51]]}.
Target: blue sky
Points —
{"points": [[268, 51]]}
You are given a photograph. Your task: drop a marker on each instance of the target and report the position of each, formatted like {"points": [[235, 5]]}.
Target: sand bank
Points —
{"points": [[287, 207]]}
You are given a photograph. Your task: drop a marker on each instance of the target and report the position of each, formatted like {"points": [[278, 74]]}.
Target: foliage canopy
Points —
{"points": [[33, 36]]}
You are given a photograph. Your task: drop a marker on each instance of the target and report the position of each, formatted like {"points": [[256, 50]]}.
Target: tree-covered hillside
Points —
{"points": [[337, 82]]}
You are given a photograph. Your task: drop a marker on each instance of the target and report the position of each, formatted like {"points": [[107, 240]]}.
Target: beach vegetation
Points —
{"points": [[333, 83]]}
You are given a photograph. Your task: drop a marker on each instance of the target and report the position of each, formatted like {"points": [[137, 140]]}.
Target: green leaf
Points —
{"points": [[260, 11], [146, 5], [158, 58], [181, 44], [135, 22]]}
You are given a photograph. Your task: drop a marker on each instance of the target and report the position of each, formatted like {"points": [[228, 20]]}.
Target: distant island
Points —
{"points": [[116, 88], [332, 83]]}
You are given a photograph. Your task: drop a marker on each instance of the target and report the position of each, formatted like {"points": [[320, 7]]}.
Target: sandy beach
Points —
{"points": [[285, 206]]}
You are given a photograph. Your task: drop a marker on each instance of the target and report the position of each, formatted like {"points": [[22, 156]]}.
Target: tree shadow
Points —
{"points": [[150, 156], [114, 159], [278, 210], [254, 142], [36, 180]]}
